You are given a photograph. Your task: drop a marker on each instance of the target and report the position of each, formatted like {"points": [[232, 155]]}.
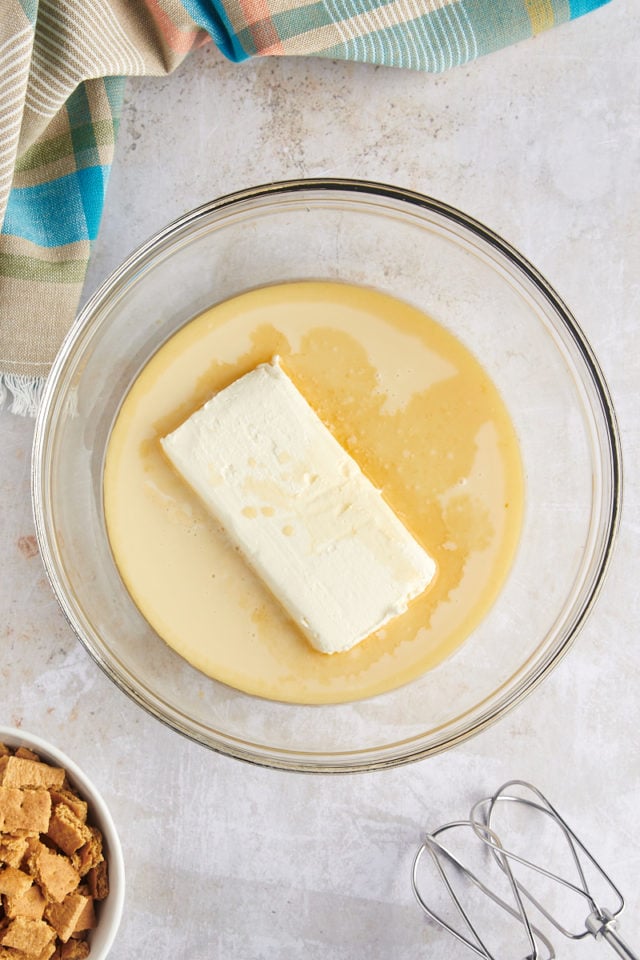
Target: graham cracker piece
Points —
{"points": [[79, 807], [87, 919], [29, 936], [33, 845], [98, 880], [4, 750], [21, 772], [53, 872], [66, 830], [24, 809], [90, 854], [14, 882], [48, 952], [12, 849], [64, 916], [31, 904], [26, 754], [74, 950]]}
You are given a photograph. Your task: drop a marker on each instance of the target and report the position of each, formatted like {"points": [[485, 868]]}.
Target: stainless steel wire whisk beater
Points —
{"points": [[488, 817], [502, 825], [461, 881]]}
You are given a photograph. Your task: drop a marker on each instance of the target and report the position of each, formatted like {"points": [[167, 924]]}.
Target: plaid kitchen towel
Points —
{"points": [[62, 70]]}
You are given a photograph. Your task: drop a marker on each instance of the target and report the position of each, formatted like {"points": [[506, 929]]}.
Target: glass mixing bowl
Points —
{"points": [[473, 283]]}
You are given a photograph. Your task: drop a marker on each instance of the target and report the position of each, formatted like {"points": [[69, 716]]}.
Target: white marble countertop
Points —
{"points": [[542, 143]]}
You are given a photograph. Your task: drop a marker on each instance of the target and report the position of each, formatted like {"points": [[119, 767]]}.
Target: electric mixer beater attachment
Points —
{"points": [[503, 829]]}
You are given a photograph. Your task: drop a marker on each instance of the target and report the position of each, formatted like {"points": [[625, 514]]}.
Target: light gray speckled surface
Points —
{"points": [[542, 143]]}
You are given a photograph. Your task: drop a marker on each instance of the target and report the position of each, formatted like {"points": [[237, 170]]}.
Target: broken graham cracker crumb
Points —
{"points": [[20, 772], [90, 854], [48, 952], [64, 916], [53, 872], [74, 950], [28, 936], [26, 754], [98, 881], [87, 919], [12, 849], [78, 806], [31, 904], [25, 809], [14, 882], [66, 830], [74, 917]]}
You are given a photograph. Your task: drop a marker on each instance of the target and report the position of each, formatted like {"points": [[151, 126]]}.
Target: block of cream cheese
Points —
{"points": [[308, 521]]}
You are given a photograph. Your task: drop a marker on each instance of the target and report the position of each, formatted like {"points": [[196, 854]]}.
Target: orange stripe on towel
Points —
{"points": [[179, 41], [263, 33]]}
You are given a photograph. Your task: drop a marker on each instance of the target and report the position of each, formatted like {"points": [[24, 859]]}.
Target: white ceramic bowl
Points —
{"points": [[109, 911]]}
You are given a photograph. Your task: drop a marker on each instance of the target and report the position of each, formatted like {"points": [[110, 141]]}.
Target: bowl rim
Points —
{"points": [[48, 752], [317, 762]]}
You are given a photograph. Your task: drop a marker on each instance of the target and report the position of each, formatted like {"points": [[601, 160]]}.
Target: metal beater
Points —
{"points": [[495, 831], [468, 886]]}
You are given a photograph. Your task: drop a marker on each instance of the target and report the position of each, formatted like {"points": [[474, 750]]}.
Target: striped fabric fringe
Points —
{"points": [[62, 70]]}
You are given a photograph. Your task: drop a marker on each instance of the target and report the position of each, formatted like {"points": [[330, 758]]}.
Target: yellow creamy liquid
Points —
{"points": [[414, 409]]}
